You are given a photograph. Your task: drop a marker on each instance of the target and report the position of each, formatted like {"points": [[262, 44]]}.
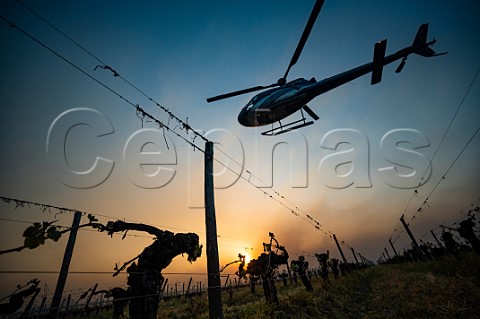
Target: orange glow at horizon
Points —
{"points": [[247, 259]]}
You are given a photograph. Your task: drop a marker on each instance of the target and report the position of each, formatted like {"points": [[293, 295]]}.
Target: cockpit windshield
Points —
{"points": [[256, 99], [277, 94]]}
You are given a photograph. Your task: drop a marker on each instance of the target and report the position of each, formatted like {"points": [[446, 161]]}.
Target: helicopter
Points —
{"points": [[283, 98]]}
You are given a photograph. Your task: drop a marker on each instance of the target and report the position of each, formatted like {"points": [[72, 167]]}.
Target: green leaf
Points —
{"points": [[53, 233], [32, 231], [31, 242]]}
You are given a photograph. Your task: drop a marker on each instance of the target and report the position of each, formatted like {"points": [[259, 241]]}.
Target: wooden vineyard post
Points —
{"points": [[435, 237], [363, 259], [67, 306], [42, 306], [386, 252], [393, 247], [67, 257], [28, 308], [89, 298], [414, 241], [163, 288], [363, 262], [340, 249], [188, 287], [289, 274], [354, 256], [213, 264]]}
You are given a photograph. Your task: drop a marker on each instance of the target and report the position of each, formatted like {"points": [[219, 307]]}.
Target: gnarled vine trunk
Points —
{"points": [[145, 276]]}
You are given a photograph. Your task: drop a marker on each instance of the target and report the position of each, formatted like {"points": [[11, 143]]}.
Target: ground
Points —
{"points": [[439, 289]]}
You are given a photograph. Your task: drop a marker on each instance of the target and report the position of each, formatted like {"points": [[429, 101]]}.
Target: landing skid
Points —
{"points": [[286, 128]]}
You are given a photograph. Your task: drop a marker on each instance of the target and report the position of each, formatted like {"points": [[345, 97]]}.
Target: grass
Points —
{"points": [[448, 288], [439, 289]]}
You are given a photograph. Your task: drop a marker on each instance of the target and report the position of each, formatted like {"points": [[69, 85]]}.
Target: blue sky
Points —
{"points": [[182, 52]]}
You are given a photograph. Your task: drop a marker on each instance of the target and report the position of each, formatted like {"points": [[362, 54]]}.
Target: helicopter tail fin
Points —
{"points": [[421, 41], [421, 36], [420, 46]]}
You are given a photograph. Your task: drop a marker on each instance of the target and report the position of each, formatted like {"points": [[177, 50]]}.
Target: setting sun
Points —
{"points": [[247, 259], [122, 185]]}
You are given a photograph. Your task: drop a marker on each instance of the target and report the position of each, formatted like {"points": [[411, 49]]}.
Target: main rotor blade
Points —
{"points": [[311, 21], [240, 92]]}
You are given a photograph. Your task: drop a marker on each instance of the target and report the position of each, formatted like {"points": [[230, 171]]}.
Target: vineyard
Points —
{"points": [[115, 205], [427, 280], [435, 289]]}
